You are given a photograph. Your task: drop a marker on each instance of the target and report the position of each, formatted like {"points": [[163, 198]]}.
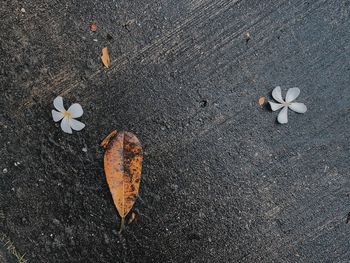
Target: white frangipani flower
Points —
{"points": [[67, 116], [291, 95]]}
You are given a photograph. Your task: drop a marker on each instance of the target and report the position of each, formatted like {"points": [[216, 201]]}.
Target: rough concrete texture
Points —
{"points": [[222, 181]]}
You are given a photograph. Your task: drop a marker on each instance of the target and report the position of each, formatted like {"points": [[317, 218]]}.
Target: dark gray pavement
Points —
{"points": [[222, 181]]}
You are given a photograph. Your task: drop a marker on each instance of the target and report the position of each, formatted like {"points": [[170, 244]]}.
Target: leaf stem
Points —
{"points": [[122, 225]]}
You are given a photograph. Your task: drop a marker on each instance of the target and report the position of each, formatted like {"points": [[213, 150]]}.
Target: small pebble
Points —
{"points": [[23, 10], [247, 37], [4, 170], [84, 149], [95, 39], [17, 163]]}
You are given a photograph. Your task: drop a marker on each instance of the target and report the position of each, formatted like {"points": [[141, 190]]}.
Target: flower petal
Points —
{"points": [[298, 107], [275, 106], [292, 94], [76, 125], [283, 116], [277, 94], [76, 110], [58, 103], [65, 125], [56, 115]]}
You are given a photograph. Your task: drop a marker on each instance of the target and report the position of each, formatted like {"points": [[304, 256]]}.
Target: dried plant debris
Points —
{"points": [[93, 26], [9, 252], [132, 218], [122, 165], [105, 57], [261, 100]]}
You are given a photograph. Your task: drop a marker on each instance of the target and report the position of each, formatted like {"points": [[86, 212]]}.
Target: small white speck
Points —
{"points": [[326, 168], [4, 170], [84, 149], [17, 163], [51, 235], [23, 10], [95, 40]]}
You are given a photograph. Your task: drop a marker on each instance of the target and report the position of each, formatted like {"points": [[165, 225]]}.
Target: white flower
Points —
{"points": [[68, 116], [291, 95]]}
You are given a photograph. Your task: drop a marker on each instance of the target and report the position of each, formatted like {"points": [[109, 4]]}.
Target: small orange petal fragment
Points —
{"points": [[132, 218], [105, 57], [261, 100]]}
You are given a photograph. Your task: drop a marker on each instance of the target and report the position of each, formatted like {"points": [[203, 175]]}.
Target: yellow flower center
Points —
{"points": [[67, 114]]}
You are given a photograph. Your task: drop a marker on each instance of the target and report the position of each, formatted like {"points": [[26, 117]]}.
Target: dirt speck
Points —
{"points": [[203, 103]]}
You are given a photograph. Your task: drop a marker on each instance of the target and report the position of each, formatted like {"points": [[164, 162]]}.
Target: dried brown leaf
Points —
{"points": [[123, 164]]}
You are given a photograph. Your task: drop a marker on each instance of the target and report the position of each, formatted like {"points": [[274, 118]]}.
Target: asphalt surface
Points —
{"points": [[222, 180]]}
